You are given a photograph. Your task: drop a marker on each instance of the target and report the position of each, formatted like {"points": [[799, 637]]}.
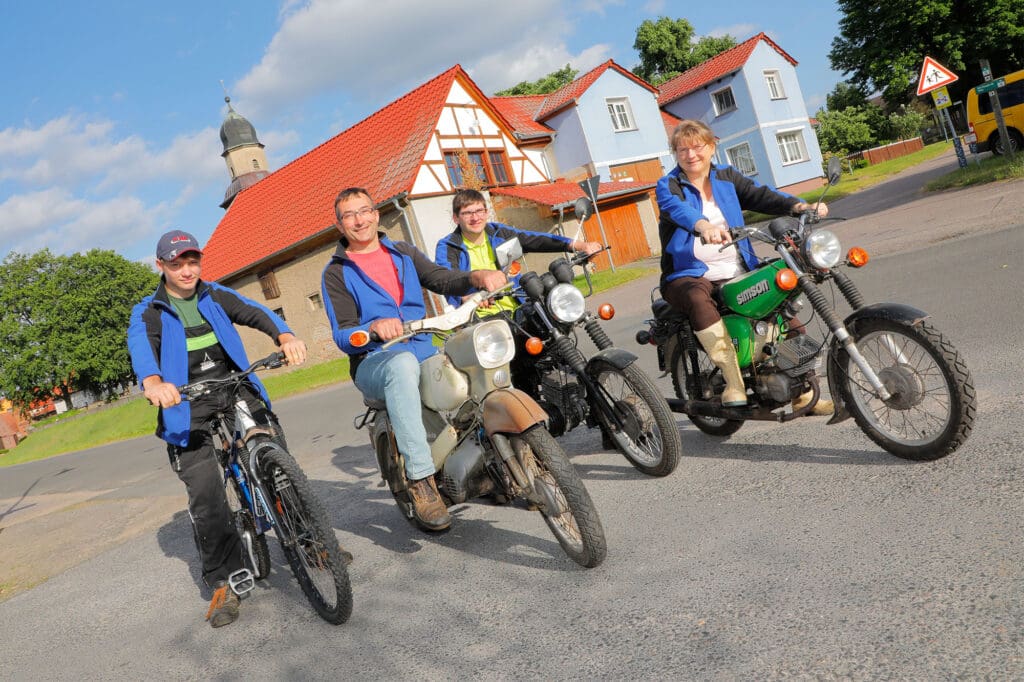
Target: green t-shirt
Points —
{"points": [[481, 257], [206, 357]]}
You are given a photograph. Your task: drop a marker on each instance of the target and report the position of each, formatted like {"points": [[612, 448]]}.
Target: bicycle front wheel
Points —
{"points": [[306, 537]]}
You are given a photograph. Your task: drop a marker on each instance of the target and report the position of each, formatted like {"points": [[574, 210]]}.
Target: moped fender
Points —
{"points": [[616, 357], [894, 312], [509, 410]]}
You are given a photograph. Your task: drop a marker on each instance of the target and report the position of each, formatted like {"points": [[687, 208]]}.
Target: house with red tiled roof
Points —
{"points": [[751, 98], [279, 230]]}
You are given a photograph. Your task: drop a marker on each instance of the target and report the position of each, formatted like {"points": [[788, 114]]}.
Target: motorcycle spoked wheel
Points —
{"points": [[713, 426], [650, 440], [575, 524], [932, 410]]}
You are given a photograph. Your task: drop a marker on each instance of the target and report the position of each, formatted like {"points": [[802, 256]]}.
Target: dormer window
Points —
{"points": [[621, 113], [724, 101], [255, 164], [774, 82]]}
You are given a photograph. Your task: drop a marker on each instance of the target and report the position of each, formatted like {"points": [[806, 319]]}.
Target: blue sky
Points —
{"points": [[110, 114]]}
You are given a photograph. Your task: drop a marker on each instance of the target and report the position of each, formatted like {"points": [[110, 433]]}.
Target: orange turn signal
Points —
{"points": [[785, 279], [606, 311], [857, 257], [359, 338], [534, 346], [515, 268]]}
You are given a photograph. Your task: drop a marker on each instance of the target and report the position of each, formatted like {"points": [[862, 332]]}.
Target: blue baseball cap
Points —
{"points": [[175, 243]]}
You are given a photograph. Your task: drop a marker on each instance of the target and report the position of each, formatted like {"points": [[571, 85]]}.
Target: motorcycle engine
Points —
{"points": [[561, 396], [780, 378]]}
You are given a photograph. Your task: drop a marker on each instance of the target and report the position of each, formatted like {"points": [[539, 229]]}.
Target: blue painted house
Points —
{"points": [[751, 98]]}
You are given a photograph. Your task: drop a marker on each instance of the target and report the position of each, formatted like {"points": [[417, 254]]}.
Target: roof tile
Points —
{"points": [[564, 192], [568, 94]]}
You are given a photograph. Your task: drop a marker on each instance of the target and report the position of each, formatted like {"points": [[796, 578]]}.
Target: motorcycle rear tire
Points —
{"points": [[713, 426], [662, 457], [578, 529]]}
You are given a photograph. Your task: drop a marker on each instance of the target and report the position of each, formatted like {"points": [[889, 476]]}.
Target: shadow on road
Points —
{"points": [[696, 444]]}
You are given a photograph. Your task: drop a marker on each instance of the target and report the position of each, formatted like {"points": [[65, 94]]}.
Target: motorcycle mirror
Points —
{"points": [[835, 170], [507, 253], [583, 209]]}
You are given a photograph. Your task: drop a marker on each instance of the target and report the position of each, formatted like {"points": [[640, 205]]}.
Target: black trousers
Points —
{"points": [[220, 547]]}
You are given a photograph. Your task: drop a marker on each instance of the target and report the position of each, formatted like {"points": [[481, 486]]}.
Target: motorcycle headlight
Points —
{"points": [[822, 249], [493, 343], [566, 303]]}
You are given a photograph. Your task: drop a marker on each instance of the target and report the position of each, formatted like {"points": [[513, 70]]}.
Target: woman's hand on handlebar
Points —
{"points": [[709, 234]]}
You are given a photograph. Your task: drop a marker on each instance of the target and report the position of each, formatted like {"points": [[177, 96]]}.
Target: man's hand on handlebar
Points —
{"points": [[387, 328], [294, 348], [589, 248], [159, 392], [822, 208], [488, 280]]}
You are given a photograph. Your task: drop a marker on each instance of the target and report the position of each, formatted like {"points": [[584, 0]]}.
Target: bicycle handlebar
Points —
{"points": [[199, 388]]}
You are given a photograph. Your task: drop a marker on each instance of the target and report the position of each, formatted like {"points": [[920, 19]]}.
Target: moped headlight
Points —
{"points": [[493, 343], [822, 249], [566, 303]]}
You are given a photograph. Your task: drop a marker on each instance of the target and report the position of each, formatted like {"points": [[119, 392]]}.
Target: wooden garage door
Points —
{"points": [[625, 233]]}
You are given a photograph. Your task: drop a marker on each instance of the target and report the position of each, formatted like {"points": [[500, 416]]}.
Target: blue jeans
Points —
{"points": [[394, 377]]}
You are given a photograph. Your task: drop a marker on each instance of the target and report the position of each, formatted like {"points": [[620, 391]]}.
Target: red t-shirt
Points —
{"points": [[381, 269]]}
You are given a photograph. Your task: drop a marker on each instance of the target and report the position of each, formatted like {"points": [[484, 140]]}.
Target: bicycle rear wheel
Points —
{"points": [[306, 537]]}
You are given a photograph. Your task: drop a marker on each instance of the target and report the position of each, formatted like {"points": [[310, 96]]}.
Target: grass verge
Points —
{"points": [[135, 417], [980, 171]]}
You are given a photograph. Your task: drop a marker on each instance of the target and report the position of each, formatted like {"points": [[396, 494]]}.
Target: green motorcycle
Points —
{"points": [[902, 381]]}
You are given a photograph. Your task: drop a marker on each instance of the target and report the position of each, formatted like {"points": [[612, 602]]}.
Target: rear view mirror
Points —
{"points": [[507, 253], [835, 170]]}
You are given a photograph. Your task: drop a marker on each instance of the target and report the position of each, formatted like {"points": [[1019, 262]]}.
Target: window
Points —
{"points": [[791, 146], [724, 101], [280, 313], [742, 159], [255, 164], [268, 282], [315, 302], [490, 167], [621, 113], [774, 82]]}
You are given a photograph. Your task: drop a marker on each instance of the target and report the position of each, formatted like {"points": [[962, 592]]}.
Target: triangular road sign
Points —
{"points": [[933, 76]]}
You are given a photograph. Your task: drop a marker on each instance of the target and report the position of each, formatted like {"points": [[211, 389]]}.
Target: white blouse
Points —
{"points": [[721, 265]]}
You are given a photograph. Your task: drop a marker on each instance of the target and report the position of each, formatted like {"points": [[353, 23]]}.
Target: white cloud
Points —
{"points": [[354, 47], [740, 32], [530, 62]]}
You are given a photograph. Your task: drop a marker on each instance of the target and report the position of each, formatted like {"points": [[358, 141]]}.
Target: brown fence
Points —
{"points": [[889, 151]]}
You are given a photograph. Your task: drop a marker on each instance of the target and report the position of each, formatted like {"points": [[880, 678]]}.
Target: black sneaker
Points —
{"points": [[223, 606]]}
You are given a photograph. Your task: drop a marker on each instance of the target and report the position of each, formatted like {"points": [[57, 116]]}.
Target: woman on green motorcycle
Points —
{"points": [[699, 201]]}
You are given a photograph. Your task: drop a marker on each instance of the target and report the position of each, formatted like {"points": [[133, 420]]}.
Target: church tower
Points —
{"points": [[243, 154]]}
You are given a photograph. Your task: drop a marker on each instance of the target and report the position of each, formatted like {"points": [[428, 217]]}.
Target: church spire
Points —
{"points": [[243, 153]]}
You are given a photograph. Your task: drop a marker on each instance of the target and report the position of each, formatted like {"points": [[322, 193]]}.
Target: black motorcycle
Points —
{"points": [[608, 390]]}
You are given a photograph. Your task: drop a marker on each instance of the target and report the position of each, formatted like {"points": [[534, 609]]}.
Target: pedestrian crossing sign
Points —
{"points": [[933, 76]]}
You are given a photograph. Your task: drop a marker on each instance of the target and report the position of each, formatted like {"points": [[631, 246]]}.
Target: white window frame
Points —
{"points": [[714, 101], [621, 114], [773, 79], [737, 154], [786, 146]]}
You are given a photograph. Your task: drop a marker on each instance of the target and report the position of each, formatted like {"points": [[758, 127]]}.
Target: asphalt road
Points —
{"points": [[798, 551]]}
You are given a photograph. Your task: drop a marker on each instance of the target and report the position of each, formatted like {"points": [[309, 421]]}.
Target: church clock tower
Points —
{"points": [[243, 154]]}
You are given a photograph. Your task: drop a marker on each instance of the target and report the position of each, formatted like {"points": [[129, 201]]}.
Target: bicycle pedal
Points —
{"points": [[242, 581]]}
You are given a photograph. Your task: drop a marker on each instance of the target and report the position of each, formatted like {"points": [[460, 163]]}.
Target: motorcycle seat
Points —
{"points": [[374, 404]]}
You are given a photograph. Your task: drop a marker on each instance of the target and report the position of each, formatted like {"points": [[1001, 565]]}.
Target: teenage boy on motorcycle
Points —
{"points": [[699, 201], [470, 246], [374, 284], [185, 332]]}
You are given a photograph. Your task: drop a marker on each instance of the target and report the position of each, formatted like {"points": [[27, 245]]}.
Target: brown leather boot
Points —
{"points": [[223, 606], [427, 504]]}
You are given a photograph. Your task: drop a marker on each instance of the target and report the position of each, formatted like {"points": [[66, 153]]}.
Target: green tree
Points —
{"points": [[667, 48], [63, 321], [542, 86], [906, 123], [842, 132], [846, 94], [882, 45]]}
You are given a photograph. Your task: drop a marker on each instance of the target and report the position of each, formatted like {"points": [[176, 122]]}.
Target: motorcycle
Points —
{"points": [[905, 385], [608, 390], [486, 437]]}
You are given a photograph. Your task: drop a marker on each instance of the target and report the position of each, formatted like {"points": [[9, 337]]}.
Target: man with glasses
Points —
{"points": [[373, 284], [471, 245]]}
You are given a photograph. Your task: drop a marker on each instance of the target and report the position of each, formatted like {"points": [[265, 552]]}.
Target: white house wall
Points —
{"points": [[570, 146], [464, 124]]}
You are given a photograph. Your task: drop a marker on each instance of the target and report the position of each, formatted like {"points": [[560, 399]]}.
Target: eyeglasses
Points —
{"points": [[682, 151], [364, 212], [478, 213]]}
